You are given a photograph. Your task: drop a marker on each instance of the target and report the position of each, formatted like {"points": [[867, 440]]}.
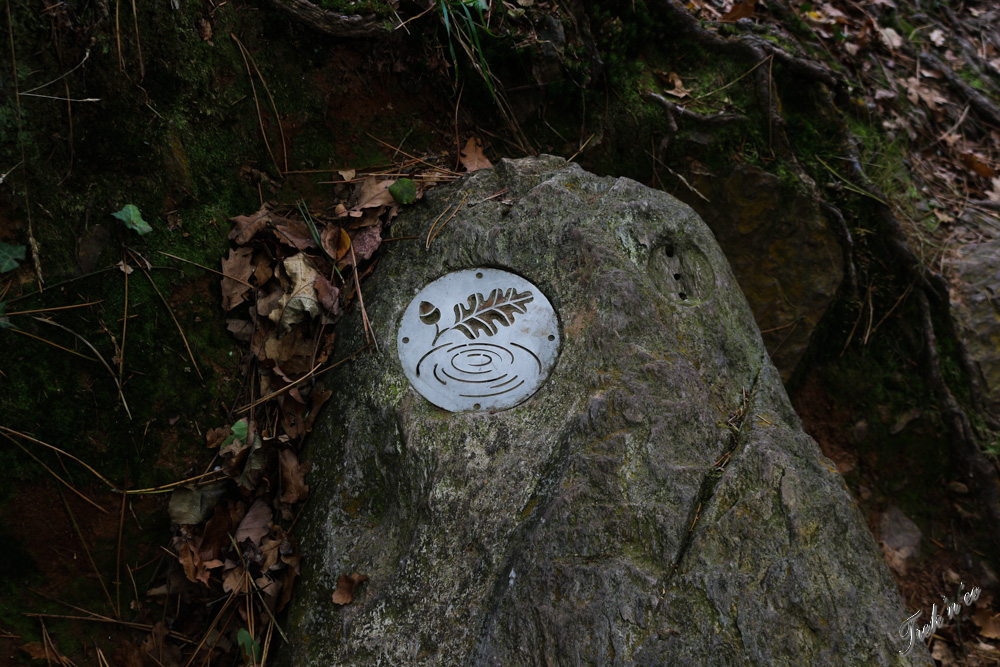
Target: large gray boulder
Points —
{"points": [[654, 502]]}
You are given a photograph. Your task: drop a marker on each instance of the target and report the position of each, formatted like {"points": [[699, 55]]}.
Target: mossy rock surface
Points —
{"points": [[655, 502]]}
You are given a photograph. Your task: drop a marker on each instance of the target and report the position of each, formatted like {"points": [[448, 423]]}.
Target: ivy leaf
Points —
{"points": [[9, 256], [404, 191], [251, 649], [239, 432], [4, 320], [133, 219]]}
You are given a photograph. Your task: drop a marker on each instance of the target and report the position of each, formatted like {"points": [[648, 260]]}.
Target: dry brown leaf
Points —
{"points": [[292, 416], [293, 477], [166, 653], [39, 651], [292, 353], [328, 295], [128, 655], [262, 267], [917, 92], [302, 300], [942, 654], [288, 577], [336, 242], [892, 38], [234, 580], [216, 436], [366, 242], [472, 157], [977, 164], [233, 452], [293, 232], [241, 330], [237, 266], [256, 524], [994, 192], [988, 622], [189, 560], [679, 90], [269, 588], [270, 547], [215, 538], [347, 174], [741, 9], [345, 587], [374, 193], [319, 397], [248, 225], [270, 303]]}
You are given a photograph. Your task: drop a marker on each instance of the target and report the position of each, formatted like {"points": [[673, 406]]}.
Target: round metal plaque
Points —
{"points": [[479, 339]]}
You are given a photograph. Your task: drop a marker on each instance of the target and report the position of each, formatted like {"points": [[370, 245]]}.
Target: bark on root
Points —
{"points": [[332, 23]]}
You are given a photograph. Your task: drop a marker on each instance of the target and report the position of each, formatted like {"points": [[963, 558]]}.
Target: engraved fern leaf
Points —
{"points": [[487, 314]]}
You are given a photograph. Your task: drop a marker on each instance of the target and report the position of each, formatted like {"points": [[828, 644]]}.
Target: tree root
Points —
{"points": [[332, 23], [974, 466], [983, 105], [931, 288]]}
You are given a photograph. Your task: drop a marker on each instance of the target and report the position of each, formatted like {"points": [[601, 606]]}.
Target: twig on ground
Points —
{"points": [[86, 550], [53, 473], [48, 342], [107, 619], [114, 376], [172, 316], [361, 300], [10, 431], [202, 266], [253, 88], [163, 488], [432, 232]]}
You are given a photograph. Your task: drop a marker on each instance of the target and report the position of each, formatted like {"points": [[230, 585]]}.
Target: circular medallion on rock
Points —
{"points": [[478, 340]]}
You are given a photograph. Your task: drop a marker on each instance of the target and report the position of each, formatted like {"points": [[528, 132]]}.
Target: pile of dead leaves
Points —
{"points": [[289, 276]]}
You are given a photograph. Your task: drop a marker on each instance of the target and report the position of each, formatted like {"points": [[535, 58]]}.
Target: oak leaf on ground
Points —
{"points": [[246, 226], [256, 524], [741, 9], [293, 232], [293, 477], [237, 269], [374, 193], [471, 156]]}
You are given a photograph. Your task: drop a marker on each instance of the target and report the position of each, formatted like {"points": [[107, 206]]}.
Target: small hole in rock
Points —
{"points": [[405, 339], [479, 275], [670, 251], [677, 276], [476, 406], [551, 337], [682, 295]]}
